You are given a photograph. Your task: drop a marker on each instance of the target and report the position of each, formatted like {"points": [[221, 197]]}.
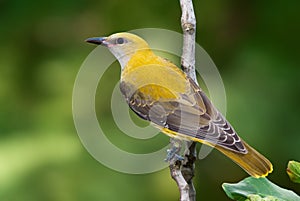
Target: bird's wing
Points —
{"points": [[191, 114]]}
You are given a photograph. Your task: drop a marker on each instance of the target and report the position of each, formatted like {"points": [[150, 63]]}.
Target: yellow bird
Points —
{"points": [[159, 92]]}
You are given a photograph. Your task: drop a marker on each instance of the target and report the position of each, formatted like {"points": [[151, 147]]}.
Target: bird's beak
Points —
{"points": [[98, 41]]}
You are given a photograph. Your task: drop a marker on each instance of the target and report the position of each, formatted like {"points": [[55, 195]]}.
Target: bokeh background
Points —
{"points": [[255, 45]]}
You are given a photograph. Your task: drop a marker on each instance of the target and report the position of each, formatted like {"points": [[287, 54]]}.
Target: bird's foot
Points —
{"points": [[173, 154]]}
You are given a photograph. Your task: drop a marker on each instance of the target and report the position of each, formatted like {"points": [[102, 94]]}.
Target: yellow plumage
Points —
{"points": [[158, 91]]}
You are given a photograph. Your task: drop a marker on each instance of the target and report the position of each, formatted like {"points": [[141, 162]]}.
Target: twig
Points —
{"points": [[176, 174], [188, 24], [183, 172], [188, 168]]}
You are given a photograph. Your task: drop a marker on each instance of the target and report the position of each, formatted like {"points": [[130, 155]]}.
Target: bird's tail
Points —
{"points": [[253, 162]]}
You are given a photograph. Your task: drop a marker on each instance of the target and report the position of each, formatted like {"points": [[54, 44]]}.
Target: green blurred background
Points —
{"points": [[255, 45]]}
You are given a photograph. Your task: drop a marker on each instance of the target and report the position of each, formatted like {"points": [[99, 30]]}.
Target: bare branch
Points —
{"points": [[188, 168], [183, 172], [176, 174], [188, 24]]}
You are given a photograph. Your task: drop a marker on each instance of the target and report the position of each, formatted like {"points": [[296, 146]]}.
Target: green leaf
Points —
{"points": [[258, 189], [258, 198], [293, 170]]}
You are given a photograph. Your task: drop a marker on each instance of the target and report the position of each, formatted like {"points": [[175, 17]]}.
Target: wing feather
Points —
{"points": [[190, 114]]}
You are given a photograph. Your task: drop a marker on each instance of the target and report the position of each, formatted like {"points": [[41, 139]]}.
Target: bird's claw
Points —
{"points": [[172, 155]]}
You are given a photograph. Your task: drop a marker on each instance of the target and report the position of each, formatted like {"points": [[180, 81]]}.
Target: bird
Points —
{"points": [[160, 92]]}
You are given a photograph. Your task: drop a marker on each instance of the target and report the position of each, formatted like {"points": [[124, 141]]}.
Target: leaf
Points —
{"points": [[293, 170], [258, 198], [258, 189]]}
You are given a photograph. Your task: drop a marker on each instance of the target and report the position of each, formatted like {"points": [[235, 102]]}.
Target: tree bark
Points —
{"points": [[183, 171]]}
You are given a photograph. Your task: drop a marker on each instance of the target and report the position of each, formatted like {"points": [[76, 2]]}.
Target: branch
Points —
{"points": [[183, 172], [176, 174], [188, 24]]}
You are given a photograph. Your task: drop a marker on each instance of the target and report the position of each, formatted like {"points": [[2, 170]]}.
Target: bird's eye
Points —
{"points": [[120, 41]]}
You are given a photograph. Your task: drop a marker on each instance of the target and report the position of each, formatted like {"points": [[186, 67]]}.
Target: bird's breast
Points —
{"points": [[156, 81]]}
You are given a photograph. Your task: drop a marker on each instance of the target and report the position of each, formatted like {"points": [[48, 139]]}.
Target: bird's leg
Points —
{"points": [[173, 153]]}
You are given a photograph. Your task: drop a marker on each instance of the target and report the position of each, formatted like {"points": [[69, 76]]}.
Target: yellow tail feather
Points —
{"points": [[253, 162]]}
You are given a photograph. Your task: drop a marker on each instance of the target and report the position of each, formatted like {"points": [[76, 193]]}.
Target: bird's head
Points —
{"points": [[121, 45]]}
